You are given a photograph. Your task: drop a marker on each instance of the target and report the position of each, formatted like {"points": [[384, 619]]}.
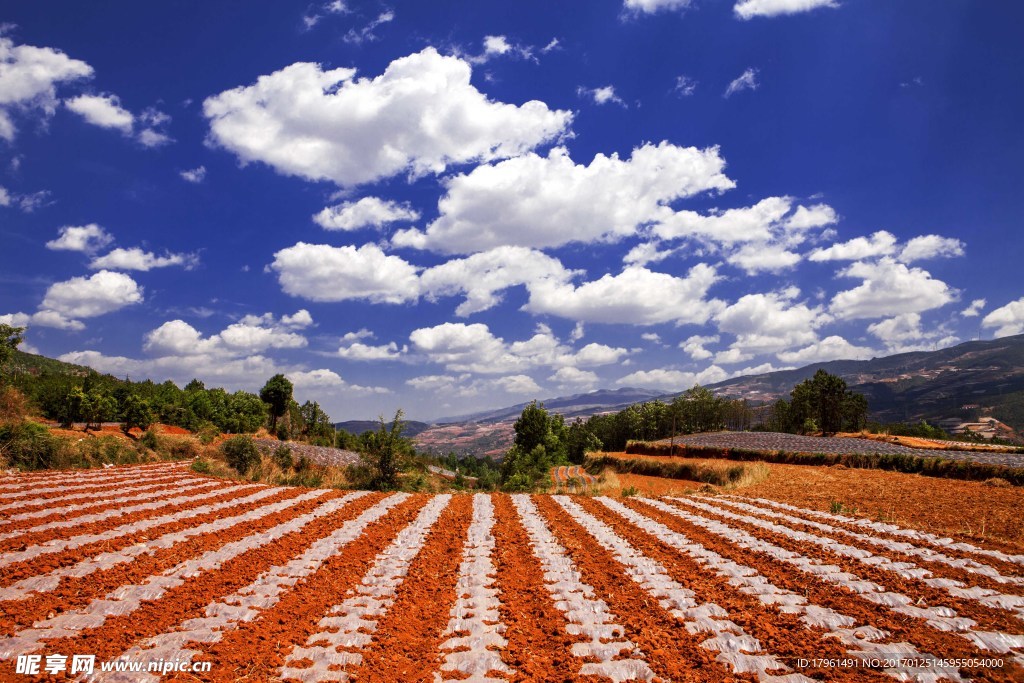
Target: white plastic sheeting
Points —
{"points": [[940, 618], [735, 647], [861, 640], [475, 624], [247, 603], [127, 599], [151, 483], [618, 659], [28, 485], [47, 582], [350, 625], [958, 589]]}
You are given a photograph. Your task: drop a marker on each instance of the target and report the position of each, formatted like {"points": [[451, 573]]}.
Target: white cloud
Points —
{"points": [[5, 197], [1008, 320], [829, 348], [516, 384], [42, 319], [250, 335], [86, 238], [602, 95], [903, 333], [889, 288], [574, 378], [748, 9], [646, 252], [81, 297], [362, 333], [483, 277], [137, 259], [104, 111], [365, 352], [368, 211], [694, 346], [974, 310], [420, 116], [194, 175], [768, 323], [535, 201], [366, 33], [685, 86], [761, 222], [673, 380], [636, 296], [757, 258], [501, 46], [745, 81], [653, 337], [299, 320], [28, 79], [320, 272], [931, 246], [816, 216], [25, 202], [652, 6], [882, 243], [474, 348], [432, 382]]}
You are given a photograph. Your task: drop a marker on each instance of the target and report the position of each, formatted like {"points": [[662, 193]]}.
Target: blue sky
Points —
{"points": [[450, 206]]}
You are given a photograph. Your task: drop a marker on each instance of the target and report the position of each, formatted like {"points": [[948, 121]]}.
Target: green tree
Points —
{"points": [[136, 413], [10, 337], [385, 453], [579, 441], [277, 394]]}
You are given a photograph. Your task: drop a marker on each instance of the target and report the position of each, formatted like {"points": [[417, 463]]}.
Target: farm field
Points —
{"points": [[155, 563]]}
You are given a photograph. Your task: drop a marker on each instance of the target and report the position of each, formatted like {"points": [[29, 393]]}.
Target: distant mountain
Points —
{"points": [[412, 427], [32, 364], [577, 405], [978, 377]]}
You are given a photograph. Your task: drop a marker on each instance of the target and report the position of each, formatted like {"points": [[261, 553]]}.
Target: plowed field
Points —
{"points": [[213, 580]]}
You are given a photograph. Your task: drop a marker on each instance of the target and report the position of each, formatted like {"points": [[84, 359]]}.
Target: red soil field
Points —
{"points": [[224, 581]]}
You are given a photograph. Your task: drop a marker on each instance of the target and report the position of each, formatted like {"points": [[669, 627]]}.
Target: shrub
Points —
{"points": [[150, 440], [283, 457], [241, 453], [207, 433], [29, 446], [201, 466], [182, 449], [629, 491]]}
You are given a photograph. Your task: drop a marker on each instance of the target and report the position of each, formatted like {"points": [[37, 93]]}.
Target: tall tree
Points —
{"points": [[277, 394], [10, 337]]}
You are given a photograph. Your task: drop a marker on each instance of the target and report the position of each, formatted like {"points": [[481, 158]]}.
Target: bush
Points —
{"points": [[283, 457], [207, 433], [201, 466], [241, 453], [150, 440], [29, 446]]}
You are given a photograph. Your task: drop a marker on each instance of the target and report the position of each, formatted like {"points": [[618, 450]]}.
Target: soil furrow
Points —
{"points": [[26, 486], [784, 622], [943, 611], [734, 649], [139, 483], [1008, 563], [111, 625], [180, 508], [817, 581], [978, 582], [407, 642], [177, 495], [71, 587], [231, 610], [59, 553], [539, 646]]}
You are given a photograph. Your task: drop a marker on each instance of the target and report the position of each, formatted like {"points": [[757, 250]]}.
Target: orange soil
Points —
{"points": [[928, 444], [656, 486], [968, 510]]}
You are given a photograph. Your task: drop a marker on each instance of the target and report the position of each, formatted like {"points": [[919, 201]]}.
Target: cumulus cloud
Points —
{"points": [[475, 349], [298, 320], [814, 216], [29, 77], [194, 175], [881, 243], [602, 95], [757, 258], [694, 346], [252, 334], [768, 323], [636, 296], [903, 333], [1007, 320], [465, 385], [829, 348], [367, 212], [745, 81], [137, 259], [367, 33], [535, 201], [320, 272], [85, 238], [501, 46], [673, 380], [483, 277], [931, 246], [88, 297], [974, 310], [889, 288], [420, 116], [574, 378], [653, 6], [748, 9], [105, 111], [366, 352]]}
